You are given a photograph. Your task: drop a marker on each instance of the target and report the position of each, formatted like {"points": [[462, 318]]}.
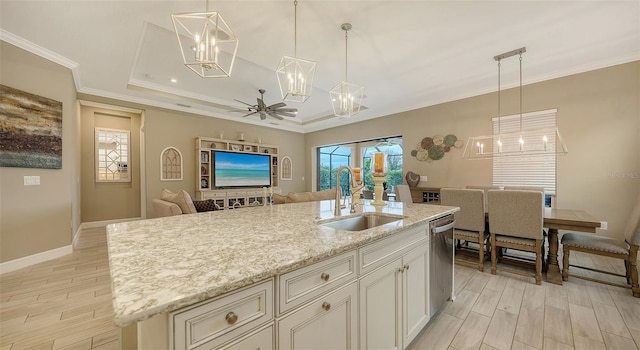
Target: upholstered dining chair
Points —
{"points": [[485, 189], [470, 220], [403, 194], [367, 194], [626, 250], [515, 222]]}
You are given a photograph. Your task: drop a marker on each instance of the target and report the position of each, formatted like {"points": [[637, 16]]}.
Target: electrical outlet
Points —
{"points": [[603, 225]]}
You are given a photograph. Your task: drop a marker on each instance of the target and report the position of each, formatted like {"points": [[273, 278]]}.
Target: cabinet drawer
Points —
{"points": [[218, 321], [211, 195], [302, 285], [381, 252]]}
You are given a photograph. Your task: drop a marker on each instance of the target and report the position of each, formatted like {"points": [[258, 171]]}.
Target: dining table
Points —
{"points": [[564, 219]]}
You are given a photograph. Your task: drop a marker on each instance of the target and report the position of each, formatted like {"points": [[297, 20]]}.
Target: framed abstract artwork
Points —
{"points": [[30, 130]]}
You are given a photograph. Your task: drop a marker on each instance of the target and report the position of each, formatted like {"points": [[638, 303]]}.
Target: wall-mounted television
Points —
{"points": [[234, 169]]}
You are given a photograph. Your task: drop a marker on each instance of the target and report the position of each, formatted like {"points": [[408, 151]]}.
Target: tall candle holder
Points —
{"points": [[379, 172]]}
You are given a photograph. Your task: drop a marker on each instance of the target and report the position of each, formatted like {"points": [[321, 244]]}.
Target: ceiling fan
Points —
{"points": [[276, 110]]}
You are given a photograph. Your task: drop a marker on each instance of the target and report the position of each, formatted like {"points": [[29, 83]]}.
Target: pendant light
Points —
{"points": [[346, 98], [524, 141], [295, 75], [207, 44]]}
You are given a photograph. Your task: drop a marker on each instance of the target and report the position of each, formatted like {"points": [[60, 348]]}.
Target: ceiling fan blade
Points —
{"points": [[273, 114], [290, 115], [288, 110], [278, 105], [252, 113], [243, 103], [261, 104]]}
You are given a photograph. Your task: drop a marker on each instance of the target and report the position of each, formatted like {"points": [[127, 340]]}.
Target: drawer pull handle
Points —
{"points": [[324, 276], [401, 270], [406, 267], [231, 318], [326, 306]]}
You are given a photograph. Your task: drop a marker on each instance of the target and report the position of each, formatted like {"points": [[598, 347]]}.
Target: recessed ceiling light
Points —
{"points": [[173, 80]]}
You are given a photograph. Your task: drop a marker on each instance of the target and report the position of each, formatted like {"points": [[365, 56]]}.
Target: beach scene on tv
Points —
{"points": [[240, 169]]}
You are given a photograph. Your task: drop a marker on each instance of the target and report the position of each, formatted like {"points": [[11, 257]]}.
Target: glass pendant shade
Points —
{"points": [[295, 77], [207, 44], [379, 163], [346, 99]]}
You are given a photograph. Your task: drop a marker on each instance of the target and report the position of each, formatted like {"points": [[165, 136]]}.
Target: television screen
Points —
{"points": [[232, 169]]}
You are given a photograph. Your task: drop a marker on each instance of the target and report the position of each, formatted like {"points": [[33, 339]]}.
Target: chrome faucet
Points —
{"points": [[354, 185]]}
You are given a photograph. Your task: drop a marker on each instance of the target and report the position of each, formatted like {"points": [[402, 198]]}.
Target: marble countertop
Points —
{"points": [[160, 265]]}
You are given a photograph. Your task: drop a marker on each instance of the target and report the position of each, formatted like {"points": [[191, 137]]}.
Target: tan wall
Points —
{"points": [[164, 128], [102, 200], [168, 128], [598, 116], [36, 219]]}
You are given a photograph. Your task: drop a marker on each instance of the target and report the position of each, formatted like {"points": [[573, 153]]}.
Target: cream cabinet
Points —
{"points": [[329, 322], [394, 290], [213, 324], [375, 296]]}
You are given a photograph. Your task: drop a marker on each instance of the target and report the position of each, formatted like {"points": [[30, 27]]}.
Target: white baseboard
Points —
{"points": [[58, 252], [35, 259], [94, 224], [76, 235]]}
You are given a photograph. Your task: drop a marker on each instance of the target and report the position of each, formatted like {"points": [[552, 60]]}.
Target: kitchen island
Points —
{"points": [[163, 269]]}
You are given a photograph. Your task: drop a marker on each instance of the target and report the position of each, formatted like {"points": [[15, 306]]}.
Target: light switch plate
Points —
{"points": [[32, 180], [603, 225]]}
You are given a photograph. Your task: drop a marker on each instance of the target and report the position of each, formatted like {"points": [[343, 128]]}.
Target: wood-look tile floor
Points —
{"points": [[66, 304], [63, 303], [507, 311]]}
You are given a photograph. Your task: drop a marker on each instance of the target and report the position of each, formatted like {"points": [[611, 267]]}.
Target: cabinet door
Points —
{"points": [[260, 340], [415, 289], [380, 307], [330, 322]]}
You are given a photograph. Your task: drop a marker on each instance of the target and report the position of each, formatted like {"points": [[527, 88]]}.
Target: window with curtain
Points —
{"points": [[538, 170]]}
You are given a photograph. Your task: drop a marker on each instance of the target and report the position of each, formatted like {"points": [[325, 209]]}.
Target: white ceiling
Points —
{"points": [[408, 54]]}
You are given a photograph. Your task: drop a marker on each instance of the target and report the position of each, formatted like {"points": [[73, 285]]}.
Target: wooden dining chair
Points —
{"points": [[515, 222], [626, 250], [367, 194], [470, 220]]}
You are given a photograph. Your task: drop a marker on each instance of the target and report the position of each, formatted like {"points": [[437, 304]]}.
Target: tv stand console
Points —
{"points": [[230, 198]]}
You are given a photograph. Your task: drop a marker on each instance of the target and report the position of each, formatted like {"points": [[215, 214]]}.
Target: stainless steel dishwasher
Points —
{"points": [[441, 263]]}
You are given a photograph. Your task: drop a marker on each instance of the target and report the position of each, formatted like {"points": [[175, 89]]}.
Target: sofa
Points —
{"points": [[298, 197], [170, 204]]}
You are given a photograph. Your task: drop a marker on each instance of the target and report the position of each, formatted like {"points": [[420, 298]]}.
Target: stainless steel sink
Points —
{"points": [[362, 222]]}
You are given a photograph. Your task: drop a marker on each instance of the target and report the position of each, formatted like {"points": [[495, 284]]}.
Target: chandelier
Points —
{"points": [[207, 44], [295, 75], [346, 98], [522, 141]]}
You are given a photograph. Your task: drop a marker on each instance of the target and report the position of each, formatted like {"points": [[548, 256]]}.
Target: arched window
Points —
{"points": [[170, 164], [287, 169]]}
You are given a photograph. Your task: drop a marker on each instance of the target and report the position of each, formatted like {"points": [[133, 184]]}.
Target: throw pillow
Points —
{"points": [[205, 205], [182, 199]]}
